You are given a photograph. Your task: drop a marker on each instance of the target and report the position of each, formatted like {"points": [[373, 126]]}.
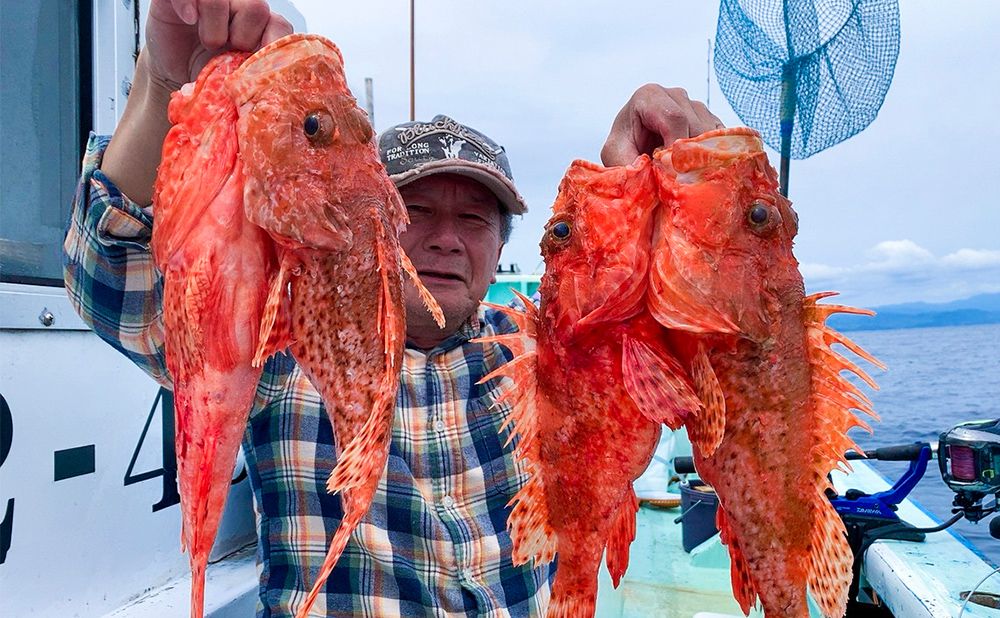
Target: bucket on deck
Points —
{"points": [[698, 505]]}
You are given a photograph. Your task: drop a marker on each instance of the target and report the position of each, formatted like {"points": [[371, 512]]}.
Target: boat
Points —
{"points": [[89, 510]]}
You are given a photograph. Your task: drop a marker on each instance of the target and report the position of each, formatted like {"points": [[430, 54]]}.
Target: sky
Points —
{"points": [[906, 210]]}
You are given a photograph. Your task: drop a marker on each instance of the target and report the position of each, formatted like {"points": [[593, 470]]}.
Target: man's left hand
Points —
{"points": [[655, 116]]}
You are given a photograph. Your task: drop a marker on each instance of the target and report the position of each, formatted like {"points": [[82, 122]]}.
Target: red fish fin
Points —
{"points": [[833, 399], [657, 384], [622, 535], [275, 329], [743, 589], [831, 560], [707, 429], [574, 605], [528, 523], [832, 396], [425, 295], [530, 531], [521, 341]]}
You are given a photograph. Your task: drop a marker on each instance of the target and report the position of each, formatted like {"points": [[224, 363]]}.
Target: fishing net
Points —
{"points": [[826, 64]]}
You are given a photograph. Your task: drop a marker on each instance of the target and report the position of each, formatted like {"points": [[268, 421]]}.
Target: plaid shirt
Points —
{"points": [[434, 542]]}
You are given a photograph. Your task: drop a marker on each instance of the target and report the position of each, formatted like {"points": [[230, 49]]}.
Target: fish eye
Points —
{"points": [[318, 127], [560, 230], [763, 217], [759, 214], [311, 125]]}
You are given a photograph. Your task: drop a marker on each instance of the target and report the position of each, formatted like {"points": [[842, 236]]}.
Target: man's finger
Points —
{"points": [[276, 28], [213, 23], [620, 147], [246, 28], [187, 10], [707, 121]]}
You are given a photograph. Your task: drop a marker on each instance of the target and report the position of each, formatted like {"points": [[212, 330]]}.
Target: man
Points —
{"points": [[435, 539]]}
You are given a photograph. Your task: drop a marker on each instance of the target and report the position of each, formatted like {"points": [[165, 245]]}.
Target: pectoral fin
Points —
{"points": [[707, 430], [275, 327], [657, 384], [425, 295]]}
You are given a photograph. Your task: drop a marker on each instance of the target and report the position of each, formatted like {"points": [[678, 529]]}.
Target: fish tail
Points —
{"points": [[198, 567], [578, 602]]}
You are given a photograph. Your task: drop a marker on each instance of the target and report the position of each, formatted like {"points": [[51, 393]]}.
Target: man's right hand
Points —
{"points": [[181, 37]]}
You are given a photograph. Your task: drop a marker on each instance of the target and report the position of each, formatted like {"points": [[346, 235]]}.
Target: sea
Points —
{"points": [[935, 379]]}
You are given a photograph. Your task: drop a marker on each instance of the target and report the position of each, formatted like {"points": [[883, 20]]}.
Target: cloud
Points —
{"points": [[903, 271], [972, 258]]}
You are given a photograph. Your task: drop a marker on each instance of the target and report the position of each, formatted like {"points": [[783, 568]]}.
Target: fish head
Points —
{"points": [[723, 259], [596, 246], [308, 150]]}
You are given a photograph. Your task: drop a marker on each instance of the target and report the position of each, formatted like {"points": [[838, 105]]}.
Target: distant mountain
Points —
{"points": [[979, 309]]}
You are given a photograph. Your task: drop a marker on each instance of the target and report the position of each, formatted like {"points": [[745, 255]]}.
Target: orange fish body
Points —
{"points": [[775, 409], [216, 268], [585, 433], [315, 183]]}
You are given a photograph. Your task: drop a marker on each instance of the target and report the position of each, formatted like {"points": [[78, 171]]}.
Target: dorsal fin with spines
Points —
{"points": [[833, 398]]}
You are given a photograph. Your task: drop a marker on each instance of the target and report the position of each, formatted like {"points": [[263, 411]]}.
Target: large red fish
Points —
{"points": [[315, 183], [775, 407], [217, 268], [592, 382]]}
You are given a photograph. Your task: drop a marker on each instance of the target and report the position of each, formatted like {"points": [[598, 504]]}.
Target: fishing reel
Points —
{"points": [[969, 459]]}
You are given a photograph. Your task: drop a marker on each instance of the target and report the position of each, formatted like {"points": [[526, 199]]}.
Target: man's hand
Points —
{"points": [[183, 35], [655, 116]]}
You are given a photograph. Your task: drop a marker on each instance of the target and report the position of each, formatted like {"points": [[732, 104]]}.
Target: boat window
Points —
{"points": [[44, 98]]}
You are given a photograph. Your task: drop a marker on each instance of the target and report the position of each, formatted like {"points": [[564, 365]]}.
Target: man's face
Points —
{"points": [[454, 242]]}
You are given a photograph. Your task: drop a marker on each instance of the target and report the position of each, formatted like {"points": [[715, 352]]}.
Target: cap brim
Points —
{"points": [[494, 181]]}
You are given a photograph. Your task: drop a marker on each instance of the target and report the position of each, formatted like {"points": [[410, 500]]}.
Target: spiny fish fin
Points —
{"points": [[367, 449], [743, 589], [429, 301], [275, 324], [832, 400], [528, 522], [530, 531], [831, 560], [657, 384], [621, 536], [708, 428], [833, 396]]}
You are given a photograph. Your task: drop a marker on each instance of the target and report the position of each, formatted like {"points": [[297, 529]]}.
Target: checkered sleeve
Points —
{"points": [[108, 268]]}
